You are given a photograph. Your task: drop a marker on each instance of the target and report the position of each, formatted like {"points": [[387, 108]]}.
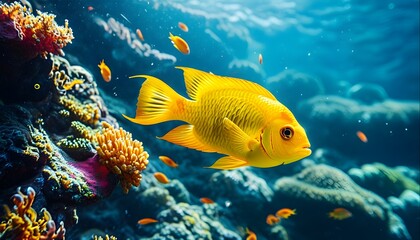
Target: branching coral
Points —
{"points": [[122, 155], [24, 223], [36, 34]]}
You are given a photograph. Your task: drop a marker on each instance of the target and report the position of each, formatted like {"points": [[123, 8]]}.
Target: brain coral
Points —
{"points": [[319, 189]]}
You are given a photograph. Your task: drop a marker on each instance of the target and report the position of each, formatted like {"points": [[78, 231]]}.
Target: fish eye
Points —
{"points": [[286, 133]]}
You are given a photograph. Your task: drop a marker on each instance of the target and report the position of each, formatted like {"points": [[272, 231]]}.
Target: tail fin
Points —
{"points": [[157, 102]]}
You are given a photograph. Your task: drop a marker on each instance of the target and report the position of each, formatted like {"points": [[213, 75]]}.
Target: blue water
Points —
{"points": [[352, 41], [326, 47]]}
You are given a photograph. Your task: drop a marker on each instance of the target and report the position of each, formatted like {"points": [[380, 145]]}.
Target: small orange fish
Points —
{"points": [[180, 44], [206, 200], [139, 34], [145, 221], [260, 58], [251, 235], [182, 26], [362, 136], [162, 178], [340, 214], [105, 71], [90, 8], [70, 85], [285, 213], [271, 219], [168, 161]]}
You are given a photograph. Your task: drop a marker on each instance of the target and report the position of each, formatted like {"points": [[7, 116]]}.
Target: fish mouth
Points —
{"points": [[306, 149]]}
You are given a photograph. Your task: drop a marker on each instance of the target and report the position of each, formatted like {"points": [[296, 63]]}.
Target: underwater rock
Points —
{"points": [[178, 191], [407, 206], [184, 221], [391, 127], [241, 187], [20, 159], [291, 87], [154, 200], [367, 93], [319, 189], [383, 180]]}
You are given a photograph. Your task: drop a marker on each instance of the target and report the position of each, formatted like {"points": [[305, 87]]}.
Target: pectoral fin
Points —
{"points": [[241, 141], [184, 136], [228, 162]]}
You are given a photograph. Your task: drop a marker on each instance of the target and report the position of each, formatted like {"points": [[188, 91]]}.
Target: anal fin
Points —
{"points": [[184, 136], [228, 162]]}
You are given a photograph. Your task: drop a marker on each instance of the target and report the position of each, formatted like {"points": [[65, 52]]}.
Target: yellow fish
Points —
{"points": [[227, 115]]}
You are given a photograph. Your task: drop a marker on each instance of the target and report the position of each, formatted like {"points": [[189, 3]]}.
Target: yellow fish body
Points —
{"points": [[227, 115]]}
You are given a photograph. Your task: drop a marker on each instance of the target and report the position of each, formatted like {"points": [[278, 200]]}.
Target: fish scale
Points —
{"points": [[238, 106]]}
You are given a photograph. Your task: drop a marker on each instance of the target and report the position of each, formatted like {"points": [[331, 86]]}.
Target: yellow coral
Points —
{"points": [[122, 155], [38, 32], [95, 237], [23, 223], [86, 112]]}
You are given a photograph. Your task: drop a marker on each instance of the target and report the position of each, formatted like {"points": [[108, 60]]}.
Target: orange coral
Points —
{"points": [[122, 155], [23, 223], [36, 34]]}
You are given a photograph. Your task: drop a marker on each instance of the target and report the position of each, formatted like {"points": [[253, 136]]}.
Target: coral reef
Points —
{"points": [[122, 155], [319, 189], [32, 35], [44, 142], [383, 180], [184, 221], [24, 223]]}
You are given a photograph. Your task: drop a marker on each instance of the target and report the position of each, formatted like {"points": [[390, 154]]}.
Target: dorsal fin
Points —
{"points": [[198, 82]]}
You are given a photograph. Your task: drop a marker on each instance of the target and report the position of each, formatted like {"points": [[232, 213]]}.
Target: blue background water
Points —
{"points": [[352, 41]]}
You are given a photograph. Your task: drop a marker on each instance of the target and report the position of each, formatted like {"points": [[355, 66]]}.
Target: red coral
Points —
{"points": [[31, 35]]}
